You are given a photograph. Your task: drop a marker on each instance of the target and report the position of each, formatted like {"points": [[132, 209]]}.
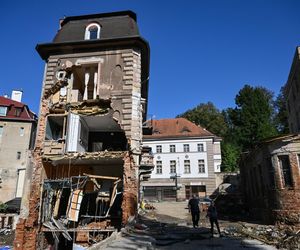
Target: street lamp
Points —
{"points": [[175, 177]]}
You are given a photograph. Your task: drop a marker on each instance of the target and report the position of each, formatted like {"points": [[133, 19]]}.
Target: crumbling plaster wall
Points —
{"points": [[123, 89]]}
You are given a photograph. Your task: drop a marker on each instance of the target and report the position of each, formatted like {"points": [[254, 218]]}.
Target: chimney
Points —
{"points": [[16, 95]]}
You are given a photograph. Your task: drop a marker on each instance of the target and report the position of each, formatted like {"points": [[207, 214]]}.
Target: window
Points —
{"points": [[201, 166], [3, 111], [187, 167], [92, 31], [200, 147], [158, 149], [284, 163], [173, 167], [1, 130], [172, 148], [18, 112], [21, 131], [186, 148], [159, 167], [18, 155], [54, 127]]}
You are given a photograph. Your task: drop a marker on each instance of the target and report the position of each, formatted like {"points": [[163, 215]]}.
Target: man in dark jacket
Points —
{"points": [[194, 210], [213, 218]]}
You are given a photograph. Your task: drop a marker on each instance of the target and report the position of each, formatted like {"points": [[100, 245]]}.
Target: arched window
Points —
{"points": [[92, 31]]}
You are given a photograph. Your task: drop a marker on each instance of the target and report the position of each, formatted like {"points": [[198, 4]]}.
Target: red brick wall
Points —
{"points": [[130, 189], [26, 230]]}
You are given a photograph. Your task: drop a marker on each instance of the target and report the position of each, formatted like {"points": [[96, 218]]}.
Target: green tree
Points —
{"points": [[207, 116], [3, 207], [252, 118], [217, 122], [230, 156], [281, 117]]}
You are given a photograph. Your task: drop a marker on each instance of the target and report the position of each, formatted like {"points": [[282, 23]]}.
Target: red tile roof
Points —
{"points": [[178, 127], [24, 115]]}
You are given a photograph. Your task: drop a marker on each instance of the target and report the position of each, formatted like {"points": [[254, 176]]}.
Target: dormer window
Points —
{"points": [[3, 110], [92, 31]]}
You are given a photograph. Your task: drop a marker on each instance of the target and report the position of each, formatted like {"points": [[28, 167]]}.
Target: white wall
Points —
{"points": [[179, 156]]}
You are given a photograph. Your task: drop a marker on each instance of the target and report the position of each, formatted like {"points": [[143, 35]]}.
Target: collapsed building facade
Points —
{"points": [[270, 179], [88, 157]]}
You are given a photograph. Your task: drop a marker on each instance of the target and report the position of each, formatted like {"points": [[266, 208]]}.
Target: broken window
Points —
{"points": [[85, 83], [94, 133], [54, 127], [284, 163]]}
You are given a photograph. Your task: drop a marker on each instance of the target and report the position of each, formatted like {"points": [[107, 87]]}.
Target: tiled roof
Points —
{"points": [[25, 114], [178, 127]]}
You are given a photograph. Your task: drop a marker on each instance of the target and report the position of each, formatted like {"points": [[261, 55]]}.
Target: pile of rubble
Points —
{"points": [[283, 237]]}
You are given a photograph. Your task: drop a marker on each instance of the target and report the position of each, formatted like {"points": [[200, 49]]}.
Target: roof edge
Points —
{"points": [[99, 15]]}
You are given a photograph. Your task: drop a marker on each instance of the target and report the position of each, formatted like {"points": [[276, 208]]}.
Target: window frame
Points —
{"points": [[87, 35], [158, 167], [201, 166], [186, 148], [200, 147], [158, 148], [18, 112], [22, 131], [5, 111], [172, 148], [187, 166], [286, 171], [172, 167]]}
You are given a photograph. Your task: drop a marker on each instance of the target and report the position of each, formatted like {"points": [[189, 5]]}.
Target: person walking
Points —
{"points": [[213, 218], [194, 210]]}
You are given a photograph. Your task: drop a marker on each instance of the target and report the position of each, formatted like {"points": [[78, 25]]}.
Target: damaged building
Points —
{"points": [[270, 179], [292, 94], [88, 157]]}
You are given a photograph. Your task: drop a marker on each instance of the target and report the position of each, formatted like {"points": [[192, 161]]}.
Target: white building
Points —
{"points": [[186, 156]]}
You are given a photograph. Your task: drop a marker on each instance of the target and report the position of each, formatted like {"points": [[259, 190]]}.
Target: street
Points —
{"points": [[169, 226]]}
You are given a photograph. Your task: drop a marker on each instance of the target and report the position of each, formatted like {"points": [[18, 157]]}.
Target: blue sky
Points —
{"points": [[200, 50]]}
